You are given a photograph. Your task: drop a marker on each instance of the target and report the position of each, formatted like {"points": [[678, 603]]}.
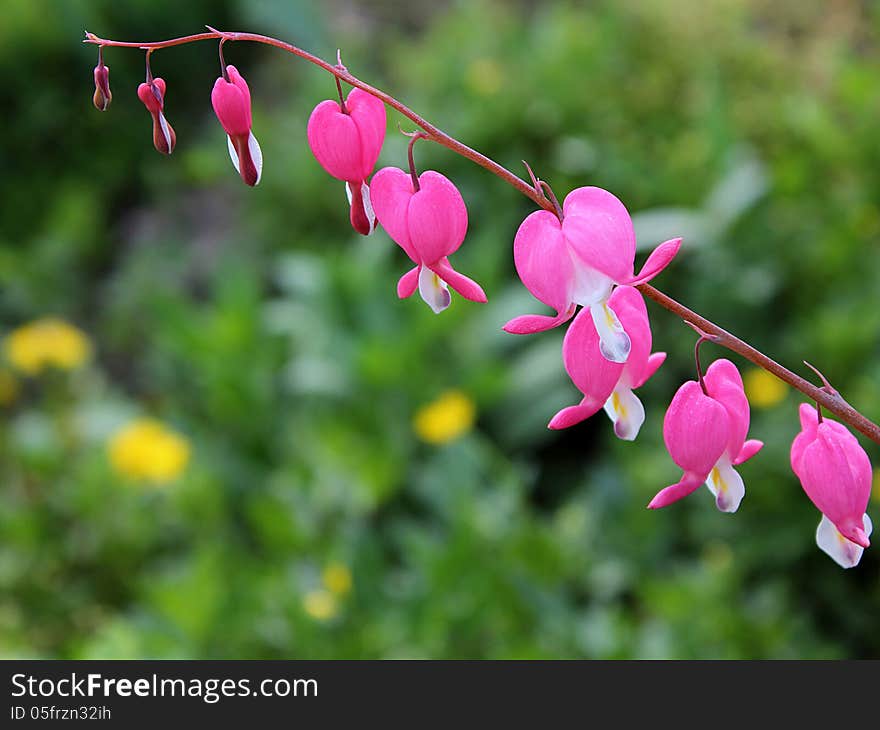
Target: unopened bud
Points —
{"points": [[102, 95], [152, 94]]}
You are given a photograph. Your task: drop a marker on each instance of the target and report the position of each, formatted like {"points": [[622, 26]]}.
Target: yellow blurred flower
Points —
{"points": [[45, 343], [145, 449], [8, 387], [763, 389], [446, 418], [337, 578], [484, 76], [321, 605]]}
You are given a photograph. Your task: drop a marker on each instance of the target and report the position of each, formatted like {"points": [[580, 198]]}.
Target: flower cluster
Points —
{"points": [[580, 254]]}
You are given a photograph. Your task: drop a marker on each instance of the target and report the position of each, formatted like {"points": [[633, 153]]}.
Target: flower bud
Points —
{"points": [[102, 96], [152, 94]]}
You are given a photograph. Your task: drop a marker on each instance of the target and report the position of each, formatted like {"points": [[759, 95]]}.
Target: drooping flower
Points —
{"points": [[835, 472], [606, 384], [576, 261], [231, 99], [429, 223], [705, 434], [152, 94], [346, 141], [102, 96]]}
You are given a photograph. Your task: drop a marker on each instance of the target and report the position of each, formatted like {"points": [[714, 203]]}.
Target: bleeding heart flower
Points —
{"points": [[231, 99], [605, 383], [835, 472], [102, 96], [577, 261], [152, 94], [346, 140], [429, 223], [705, 434]]}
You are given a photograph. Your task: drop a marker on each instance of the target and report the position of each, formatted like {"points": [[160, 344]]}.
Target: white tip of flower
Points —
{"points": [[614, 343], [433, 290], [626, 413], [727, 485], [233, 155], [845, 553], [256, 156]]}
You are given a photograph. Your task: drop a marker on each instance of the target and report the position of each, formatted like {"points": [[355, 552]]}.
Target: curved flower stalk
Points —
{"points": [[231, 99], [705, 432], [606, 384], [576, 258], [152, 94], [429, 222], [346, 139], [835, 472]]}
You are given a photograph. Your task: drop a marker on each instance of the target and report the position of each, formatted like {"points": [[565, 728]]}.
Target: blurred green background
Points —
{"points": [[223, 436]]}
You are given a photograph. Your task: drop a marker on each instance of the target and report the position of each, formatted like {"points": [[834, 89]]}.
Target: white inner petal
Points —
{"points": [[433, 290], [845, 553], [256, 156], [348, 192], [614, 343], [232, 153], [368, 206], [589, 286], [165, 131], [727, 485], [626, 413]]}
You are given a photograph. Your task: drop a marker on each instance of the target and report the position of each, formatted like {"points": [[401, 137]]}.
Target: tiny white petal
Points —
{"points": [[368, 206], [727, 485], [845, 553], [614, 343], [626, 413], [348, 192], [433, 290], [163, 125]]}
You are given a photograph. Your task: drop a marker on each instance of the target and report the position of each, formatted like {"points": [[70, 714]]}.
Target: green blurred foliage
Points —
{"points": [[258, 325]]}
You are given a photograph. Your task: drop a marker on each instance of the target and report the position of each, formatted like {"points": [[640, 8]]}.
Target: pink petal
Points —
{"points": [[657, 261], [468, 288], [236, 78], [695, 430], [232, 103], [437, 218], [543, 260], [651, 367], [725, 385], [600, 231], [390, 192], [368, 114], [529, 324], [407, 284], [593, 374], [749, 449], [574, 414], [336, 143], [689, 483]]}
